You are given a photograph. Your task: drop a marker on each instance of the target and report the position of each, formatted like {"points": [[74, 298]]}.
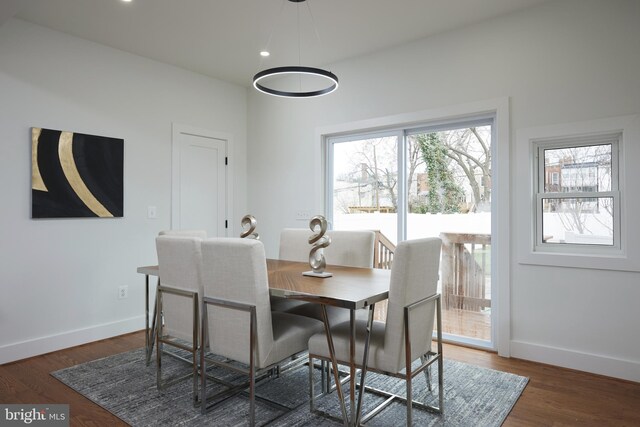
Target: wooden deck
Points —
{"points": [[470, 324], [466, 282]]}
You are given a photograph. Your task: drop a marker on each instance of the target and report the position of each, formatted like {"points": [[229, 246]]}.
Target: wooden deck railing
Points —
{"points": [[383, 251], [464, 269]]}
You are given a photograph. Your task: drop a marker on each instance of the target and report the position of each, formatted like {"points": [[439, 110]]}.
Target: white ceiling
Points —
{"points": [[222, 38]]}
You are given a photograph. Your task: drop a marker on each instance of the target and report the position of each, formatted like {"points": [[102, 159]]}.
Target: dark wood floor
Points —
{"points": [[553, 397]]}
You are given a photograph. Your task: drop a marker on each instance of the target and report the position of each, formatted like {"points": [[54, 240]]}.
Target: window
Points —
{"points": [[577, 195], [594, 203], [393, 180], [364, 183]]}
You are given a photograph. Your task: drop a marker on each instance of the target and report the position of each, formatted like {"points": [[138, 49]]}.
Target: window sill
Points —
{"points": [[615, 260]]}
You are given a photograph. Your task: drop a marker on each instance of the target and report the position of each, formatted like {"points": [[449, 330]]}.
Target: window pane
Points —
{"points": [[578, 169], [581, 220], [365, 183], [448, 177]]}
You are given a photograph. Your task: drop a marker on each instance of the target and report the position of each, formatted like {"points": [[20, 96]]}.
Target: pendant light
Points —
{"points": [[299, 70]]}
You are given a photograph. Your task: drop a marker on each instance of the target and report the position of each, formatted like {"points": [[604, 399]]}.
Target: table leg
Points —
{"points": [[146, 318], [352, 365], [334, 364], [365, 361], [150, 333]]}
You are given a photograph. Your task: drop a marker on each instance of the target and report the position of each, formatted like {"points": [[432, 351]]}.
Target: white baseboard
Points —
{"points": [[594, 363], [42, 345]]}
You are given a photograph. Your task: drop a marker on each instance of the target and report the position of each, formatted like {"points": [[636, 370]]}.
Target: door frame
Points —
{"points": [[178, 129], [500, 211]]}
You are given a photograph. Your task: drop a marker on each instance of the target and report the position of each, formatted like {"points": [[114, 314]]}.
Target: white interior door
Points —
{"points": [[199, 184]]}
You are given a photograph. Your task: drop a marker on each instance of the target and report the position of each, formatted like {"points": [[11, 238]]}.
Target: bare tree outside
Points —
{"points": [[447, 172], [470, 149], [456, 168], [370, 176]]}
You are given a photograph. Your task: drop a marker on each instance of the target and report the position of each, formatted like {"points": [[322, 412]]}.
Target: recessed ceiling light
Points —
{"points": [[127, 1], [264, 53]]}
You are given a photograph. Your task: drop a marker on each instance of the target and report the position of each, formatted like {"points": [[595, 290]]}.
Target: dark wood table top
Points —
{"points": [[349, 287]]}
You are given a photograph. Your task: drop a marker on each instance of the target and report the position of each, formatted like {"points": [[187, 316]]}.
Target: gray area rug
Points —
{"points": [[126, 387]]}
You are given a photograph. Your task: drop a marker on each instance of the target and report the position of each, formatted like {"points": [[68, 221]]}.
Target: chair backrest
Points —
{"points": [[202, 234], [353, 248], [235, 269], [294, 244], [414, 276], [179, 263]]}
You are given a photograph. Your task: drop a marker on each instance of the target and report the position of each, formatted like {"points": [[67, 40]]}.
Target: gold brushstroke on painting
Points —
{"points": [[36, 179], [65, 151]]}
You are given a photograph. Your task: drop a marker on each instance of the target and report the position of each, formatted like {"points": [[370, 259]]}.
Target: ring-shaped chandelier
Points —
{"points": [[296, 70]]}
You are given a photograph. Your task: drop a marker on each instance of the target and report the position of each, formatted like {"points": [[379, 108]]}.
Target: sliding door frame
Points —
{"points": [[494, 112]]}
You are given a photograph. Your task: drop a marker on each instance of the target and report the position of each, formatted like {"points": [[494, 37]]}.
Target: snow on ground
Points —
{"points": [[418, 225], [431, 225]]}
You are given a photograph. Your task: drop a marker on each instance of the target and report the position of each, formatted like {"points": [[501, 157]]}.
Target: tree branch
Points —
{"points": [[481, 141]]}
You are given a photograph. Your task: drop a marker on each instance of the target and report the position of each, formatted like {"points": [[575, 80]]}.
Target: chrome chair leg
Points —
{"points": [[311, 388], [327, 375], [252, 367], [157, 338], [203, 369], [427, 372], [194, 346], [408, 382]]}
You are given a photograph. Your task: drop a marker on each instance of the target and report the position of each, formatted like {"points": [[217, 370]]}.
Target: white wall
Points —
{"points": [[59, 278], [563, 61]]}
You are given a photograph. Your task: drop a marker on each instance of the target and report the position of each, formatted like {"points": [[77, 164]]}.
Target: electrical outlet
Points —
{"points": [[303, 215], [123, 292], [152, 212]]}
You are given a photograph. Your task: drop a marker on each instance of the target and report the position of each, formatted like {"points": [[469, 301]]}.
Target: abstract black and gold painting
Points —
{"points": [[74, 175]]}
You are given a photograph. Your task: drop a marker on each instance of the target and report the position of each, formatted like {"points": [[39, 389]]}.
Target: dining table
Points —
{"points": [[350, 288]]}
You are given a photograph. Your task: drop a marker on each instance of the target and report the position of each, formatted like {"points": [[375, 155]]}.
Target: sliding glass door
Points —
{"points": [[365, 184], [429, 181]]}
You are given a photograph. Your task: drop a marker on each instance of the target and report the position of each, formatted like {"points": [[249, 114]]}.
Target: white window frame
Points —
{"points": [[625, 254], [539, 147], [350, 137]]}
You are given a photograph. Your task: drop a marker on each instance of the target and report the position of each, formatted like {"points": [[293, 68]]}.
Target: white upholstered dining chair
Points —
{"points": [[406, 336], [178, 302], [237, 317], [351, 248]]}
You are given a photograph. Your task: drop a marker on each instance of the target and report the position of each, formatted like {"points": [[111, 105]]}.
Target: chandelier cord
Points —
{"points": [[299, 50], [273, 29], [298, 70], [313, 24]]}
